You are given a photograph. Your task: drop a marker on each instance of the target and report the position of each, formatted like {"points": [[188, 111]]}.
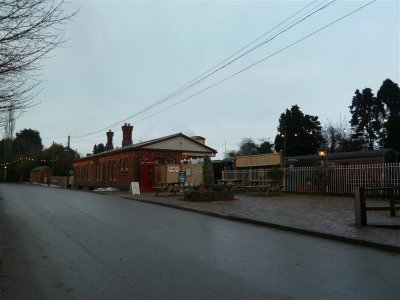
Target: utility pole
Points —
{"points": [[68, 150], [225, 150], [53, 159], [22, 170]]}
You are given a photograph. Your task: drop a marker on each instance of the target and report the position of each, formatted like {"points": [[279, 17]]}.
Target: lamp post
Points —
{"points": [[5, 173], [284, 155], [323, 154]]}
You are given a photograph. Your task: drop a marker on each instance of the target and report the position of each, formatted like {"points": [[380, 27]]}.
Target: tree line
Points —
{"points": [[374, 124], [26, 151]]}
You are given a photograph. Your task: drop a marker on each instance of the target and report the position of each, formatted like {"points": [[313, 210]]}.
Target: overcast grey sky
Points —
{"points": [[123, 56]]}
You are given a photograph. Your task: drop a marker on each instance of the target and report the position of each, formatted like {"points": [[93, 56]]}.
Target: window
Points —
{"points": [[126, 164], [99, 171], [87, 173]]}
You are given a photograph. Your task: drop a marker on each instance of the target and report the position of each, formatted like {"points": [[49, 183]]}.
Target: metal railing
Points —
{"points": [[332, 179]]}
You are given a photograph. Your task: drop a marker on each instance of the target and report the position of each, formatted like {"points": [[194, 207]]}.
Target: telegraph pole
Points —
{"points": [[225, 151], [53, 159], [68, 159]]}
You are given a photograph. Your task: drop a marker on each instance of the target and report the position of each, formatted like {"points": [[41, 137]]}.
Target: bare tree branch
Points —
{"points": [[29, 30]]}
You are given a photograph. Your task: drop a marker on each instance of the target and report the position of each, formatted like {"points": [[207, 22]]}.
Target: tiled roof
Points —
{"points": [[148, 143]]}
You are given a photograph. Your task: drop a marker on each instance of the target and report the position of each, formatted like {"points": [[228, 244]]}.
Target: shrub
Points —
{"points": [[275, 174], [208, 174]]}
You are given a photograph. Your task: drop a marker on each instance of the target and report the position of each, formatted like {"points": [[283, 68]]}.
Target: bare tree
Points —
{"points": [[9, 124], [337, 137], [29, 30]]}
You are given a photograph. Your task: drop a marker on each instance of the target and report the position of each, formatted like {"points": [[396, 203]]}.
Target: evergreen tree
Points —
{"points": [[59, 158], [27, 142], [265, 147], [208, 173], [99, 148], [367, 114], [389, 96], [27, 147], [298, 134]]}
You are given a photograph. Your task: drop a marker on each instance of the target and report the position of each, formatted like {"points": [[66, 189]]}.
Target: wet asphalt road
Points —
{"points": [[64, 244]]}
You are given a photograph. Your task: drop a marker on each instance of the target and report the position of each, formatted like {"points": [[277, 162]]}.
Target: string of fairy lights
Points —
{"points": [[230, 146], [25, 158]]}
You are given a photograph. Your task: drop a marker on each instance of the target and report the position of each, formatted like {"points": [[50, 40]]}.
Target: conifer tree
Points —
{"points": [[208, 173]]}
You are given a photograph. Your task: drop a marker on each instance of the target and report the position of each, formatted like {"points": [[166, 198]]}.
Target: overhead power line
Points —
{"points": [[212, 70], [256, 63], [260, 61]]}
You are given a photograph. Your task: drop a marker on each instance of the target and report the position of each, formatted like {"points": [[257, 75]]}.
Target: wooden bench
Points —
{"points": [[263, 186], [275, 188], [166, 188], [255, 187], [361, 207], [260, 188], [233, 183]]}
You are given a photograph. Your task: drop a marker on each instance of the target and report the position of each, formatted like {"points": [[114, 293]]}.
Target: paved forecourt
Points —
{"points": [[327, 216]]}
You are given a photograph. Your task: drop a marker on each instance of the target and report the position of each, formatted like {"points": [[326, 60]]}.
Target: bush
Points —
{"points": [[221, 188], [275, 174]]}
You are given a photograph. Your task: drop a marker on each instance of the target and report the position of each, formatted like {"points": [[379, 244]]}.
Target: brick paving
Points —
{"points": [[326, 216]]}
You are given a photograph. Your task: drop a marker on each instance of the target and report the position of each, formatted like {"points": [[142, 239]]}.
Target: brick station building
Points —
{"points": [[136, 162]]}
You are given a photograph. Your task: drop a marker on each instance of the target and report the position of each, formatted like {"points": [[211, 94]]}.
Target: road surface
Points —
{"points": [[66, 244]]}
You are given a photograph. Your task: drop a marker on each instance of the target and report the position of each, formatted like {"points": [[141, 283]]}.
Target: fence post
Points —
{"points": [[360, 207], [391, 201]]}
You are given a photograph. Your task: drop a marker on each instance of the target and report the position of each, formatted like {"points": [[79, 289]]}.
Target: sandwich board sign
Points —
{"points": [[134, 189]]}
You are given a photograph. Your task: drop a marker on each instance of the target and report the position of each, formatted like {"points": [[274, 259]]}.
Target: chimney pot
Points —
{"points": [[199, 139], [127, 134], [109, 145]]}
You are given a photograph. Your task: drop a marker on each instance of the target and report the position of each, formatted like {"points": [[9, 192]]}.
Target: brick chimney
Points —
{"points": [[199, 139], [127, 134], [109, 145]]}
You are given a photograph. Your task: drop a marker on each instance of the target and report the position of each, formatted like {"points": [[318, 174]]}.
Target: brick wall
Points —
{"points": [[117, 169]]}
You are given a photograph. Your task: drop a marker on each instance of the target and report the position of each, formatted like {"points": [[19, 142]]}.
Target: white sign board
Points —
{"points": [[134, 189], [173, 169]]}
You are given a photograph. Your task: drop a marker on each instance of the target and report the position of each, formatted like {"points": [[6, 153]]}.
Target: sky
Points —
{"points": [[124, 56]]}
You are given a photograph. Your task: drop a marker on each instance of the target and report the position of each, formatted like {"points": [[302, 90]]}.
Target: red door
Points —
{"points": [[147, 180]]}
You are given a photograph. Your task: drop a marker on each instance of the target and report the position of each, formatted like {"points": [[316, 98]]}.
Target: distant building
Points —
{"points": [[269, 160], [141, 162], [247, 162], [41, 174], [346, 158]]}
